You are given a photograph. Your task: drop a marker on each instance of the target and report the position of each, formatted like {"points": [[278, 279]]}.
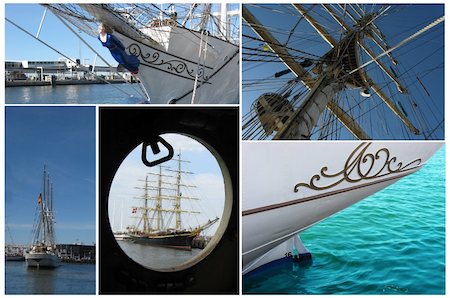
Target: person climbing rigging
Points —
{"points": [[117, 49]]}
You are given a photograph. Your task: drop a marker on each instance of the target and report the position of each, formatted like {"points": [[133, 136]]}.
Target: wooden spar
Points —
{"points": [[322, 32], [277, 48], [391, 105], [400, 88], [347, 120], [300, 72]]}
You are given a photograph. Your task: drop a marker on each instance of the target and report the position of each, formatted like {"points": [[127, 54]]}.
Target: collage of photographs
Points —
{"points": [[223, 148]]}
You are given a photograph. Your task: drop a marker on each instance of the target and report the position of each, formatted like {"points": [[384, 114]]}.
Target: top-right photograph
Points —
{"points": [[343, 71]]}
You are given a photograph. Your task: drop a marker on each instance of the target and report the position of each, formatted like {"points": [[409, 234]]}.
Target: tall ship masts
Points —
{"points": [[338, 90], [160, 215], [42, 252]]}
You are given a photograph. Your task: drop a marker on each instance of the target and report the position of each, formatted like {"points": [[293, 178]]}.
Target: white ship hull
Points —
{"points": [[289, 186], [42, 259], [174, 59], [171, 72]]}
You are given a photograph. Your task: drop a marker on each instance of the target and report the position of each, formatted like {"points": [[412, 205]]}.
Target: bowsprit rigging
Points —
{"points": [[353, 69]]}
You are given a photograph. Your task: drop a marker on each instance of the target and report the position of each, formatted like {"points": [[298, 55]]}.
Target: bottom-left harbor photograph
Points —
{"points": [[50, 200]]}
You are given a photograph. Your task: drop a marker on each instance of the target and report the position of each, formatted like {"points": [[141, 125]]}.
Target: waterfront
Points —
{"points": [[76, 94], [66, 279], [393, 242]]}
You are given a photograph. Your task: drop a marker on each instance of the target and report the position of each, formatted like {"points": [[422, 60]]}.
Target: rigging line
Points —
{"points": [[305, 36], [378, 14], [271, 9], [423, 30], [376, 106], [272, 54], [398, 76], [434, 129], [72, 14], [402, 75], [279, 45], [295, 26], [292, 30], [54, 49]]}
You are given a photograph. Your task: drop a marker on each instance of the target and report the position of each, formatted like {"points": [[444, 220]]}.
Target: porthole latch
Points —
{"points": [[154, 144]]}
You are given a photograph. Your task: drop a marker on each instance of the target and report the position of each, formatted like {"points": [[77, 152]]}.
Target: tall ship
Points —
{"points": [[164, 201], [43, 250], [187, 53], [343, 71]]}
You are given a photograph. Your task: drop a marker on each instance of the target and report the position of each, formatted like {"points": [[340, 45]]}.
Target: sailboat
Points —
{"points": [[162, 201], [43, 249], [188, 53], [304, 183], [343, 71]]}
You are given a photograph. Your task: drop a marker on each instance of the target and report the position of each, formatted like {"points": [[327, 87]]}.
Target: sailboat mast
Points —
{"points": [[159, 201], [145, 214], [43, 203], [178, 195], [223, 27]]}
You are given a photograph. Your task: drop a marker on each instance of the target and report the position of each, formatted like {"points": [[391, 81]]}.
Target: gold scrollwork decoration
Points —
{"points": [[172, 65], [361, 165]]}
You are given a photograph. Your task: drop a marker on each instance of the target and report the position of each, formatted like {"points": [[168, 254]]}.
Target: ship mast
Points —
{"points": [[44, 231], [145, 214], [338, 69], [164, 190], [300, 71]]}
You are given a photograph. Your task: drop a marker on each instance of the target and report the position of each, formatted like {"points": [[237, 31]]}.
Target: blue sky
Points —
{"points": [[398, 23], [28, 16], [207, 178], [63, 139]]}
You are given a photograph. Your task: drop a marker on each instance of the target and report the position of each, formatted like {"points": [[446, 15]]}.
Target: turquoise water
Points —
{"points": [[390, 243]]}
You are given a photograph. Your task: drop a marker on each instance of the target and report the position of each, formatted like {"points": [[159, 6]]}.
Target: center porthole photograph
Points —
{"points": [[169, 203]]}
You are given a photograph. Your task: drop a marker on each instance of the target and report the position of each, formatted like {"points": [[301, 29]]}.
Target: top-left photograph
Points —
{"points": [[119, 53]]}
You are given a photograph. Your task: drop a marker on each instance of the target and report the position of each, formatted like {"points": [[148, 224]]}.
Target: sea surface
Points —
{"points": [[157, 257], [76, 94], [66, 279], [392, 242]]}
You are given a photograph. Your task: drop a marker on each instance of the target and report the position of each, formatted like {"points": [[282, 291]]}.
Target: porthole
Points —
{"points": [[170, 216]]}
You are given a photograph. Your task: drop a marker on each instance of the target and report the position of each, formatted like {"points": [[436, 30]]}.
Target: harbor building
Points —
{"points": [[60, 72]]}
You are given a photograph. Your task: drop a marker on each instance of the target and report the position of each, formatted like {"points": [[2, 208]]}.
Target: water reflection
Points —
{"points": [[41, 280]]}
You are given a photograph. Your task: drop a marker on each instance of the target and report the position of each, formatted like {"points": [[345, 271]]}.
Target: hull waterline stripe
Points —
{"points": [[320, 196]]}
